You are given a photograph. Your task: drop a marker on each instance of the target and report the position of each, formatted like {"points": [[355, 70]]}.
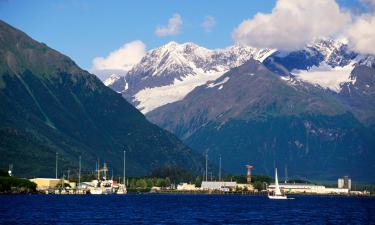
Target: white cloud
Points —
{"points": [[292, 24], [208, 23], [173, 27], [361, 34], [122, 59], [369, 3]]}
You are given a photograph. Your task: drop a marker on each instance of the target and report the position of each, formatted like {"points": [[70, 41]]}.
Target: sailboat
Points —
{"points": [[122, 188], [277, 193]]}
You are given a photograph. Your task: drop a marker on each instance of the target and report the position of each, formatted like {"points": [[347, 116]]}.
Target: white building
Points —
{"points": [[344, 182], [186, 187], [218, 185], [308, 188]]}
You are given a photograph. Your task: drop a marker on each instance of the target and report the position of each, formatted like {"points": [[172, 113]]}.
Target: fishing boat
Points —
{"points": [[121, 191], [277, 193], [96, 191]]}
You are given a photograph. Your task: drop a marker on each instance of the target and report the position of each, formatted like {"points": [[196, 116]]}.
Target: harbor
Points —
{"points": [[104, 185]]}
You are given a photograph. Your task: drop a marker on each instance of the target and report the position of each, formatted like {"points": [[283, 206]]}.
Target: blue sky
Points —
{"points": [[85, 29]]}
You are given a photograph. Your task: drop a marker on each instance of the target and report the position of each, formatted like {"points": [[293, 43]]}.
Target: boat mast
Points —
{"points": [[57, 155], [277, 188], [206, 163], [124, 167], [98, 170], [79, 171], [219, 167]]}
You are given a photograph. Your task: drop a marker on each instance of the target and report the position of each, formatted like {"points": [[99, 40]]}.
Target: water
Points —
{"points": [[184, 209]]}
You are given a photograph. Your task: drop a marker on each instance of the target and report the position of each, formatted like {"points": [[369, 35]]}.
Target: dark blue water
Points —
{"points": [[184, 209]]}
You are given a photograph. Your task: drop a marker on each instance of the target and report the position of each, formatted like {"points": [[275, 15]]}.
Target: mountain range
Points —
{"points": [[49, 105], [311, 110]]}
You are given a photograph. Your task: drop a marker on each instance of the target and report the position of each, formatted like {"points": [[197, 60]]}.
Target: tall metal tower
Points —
{"points": [[57, 155], [124, 168], [248, 175], [219, 167], [10, 170], [206, 164], [79, 171], [286, 174]]}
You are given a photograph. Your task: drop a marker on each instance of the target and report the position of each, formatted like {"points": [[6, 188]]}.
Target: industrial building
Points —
{"points": [[186, 187], [218, 185], [44, 184], [308, 188], [344, 182]]}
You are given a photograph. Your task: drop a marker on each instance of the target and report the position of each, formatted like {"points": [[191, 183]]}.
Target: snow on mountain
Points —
{"points": [[168, 73], [111, 79], [215, 84], [326, 63], [151, 98], [326, 76]]}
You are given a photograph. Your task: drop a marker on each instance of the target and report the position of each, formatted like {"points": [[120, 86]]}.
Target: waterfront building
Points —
{"points": [[248, 187], [308, 188], [44, 184], [186, 187], [218, 186], [344, 182]]}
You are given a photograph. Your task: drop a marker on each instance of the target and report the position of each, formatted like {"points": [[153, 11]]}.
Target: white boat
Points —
{"points": [[96, 191], [121, 191], [277, 193]]}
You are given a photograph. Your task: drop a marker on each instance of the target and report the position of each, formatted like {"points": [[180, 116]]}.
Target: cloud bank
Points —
{"points": [[173, 27], [119, 61], [361, 32], [292, 24], [208, 23], [123, 58]]}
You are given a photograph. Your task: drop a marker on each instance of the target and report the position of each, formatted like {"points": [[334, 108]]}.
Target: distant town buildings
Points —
{"points": [[44, 184], [186, 187], [343, 187], [344, 182], [218, 186], [308, 188]]}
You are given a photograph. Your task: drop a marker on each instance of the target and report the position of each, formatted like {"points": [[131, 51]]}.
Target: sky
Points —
{"points": [[115, 34]]}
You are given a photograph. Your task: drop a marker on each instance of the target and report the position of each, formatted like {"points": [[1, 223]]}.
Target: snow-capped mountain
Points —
{"points": [[325, 63], [168, 73], [111, 79], [316, 104], [252, 113]]}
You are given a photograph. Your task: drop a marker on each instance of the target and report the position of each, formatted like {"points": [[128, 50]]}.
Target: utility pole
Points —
{"points": [[68, 174], [286, 174], [219, 167], [79, 171], [57, 155], [206, 163], [124, 168]]}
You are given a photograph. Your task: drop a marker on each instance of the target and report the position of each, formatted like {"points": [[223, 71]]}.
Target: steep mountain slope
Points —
{"points": [[48, 105], [252, 115], [360, 95], [331, 65], [166, 74]]}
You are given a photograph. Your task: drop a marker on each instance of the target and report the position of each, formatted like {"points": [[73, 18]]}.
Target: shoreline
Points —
{"points": [[199, 193]]}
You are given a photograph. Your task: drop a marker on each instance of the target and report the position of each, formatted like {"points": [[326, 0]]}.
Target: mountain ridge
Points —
{"points": [[253, 115], [48, 105]]}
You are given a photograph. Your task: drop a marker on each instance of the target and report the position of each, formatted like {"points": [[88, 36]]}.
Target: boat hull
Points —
{"points": [[96, 191], [278, 197]]}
